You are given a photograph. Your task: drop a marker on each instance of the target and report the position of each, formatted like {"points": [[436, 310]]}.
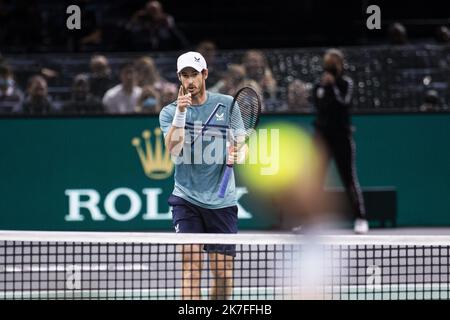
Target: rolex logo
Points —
{"points": [[155, 162]]}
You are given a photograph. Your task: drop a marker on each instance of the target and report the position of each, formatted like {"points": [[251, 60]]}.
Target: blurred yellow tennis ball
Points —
{"points": [[280, 156]]}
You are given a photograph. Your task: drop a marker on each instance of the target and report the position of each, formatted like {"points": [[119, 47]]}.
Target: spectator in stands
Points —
{"points": [[148, 75], [235, 79], [397, 34], [37, 101], [208, 49], [431, 101], [100, 78], [443, 35], [297, 97], [332, 99], [146, 72], [257, 69], [123, 97], [152, 28], [231, 81], [82, 100], [148, 102], [11, 97], [168, 95]]}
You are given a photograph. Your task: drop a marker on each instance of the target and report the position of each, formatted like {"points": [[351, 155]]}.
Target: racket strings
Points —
{"points": [[245, 112]]}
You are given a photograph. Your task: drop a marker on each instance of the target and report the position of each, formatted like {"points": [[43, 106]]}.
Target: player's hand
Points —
{"points": [[184, 100], [327, 79], [237, 154]]}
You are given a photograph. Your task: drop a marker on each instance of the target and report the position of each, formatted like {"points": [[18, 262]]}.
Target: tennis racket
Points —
{"points": [[244, 116]]}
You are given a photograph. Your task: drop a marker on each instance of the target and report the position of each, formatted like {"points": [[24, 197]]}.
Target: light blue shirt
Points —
{"points": [[197, 181]]}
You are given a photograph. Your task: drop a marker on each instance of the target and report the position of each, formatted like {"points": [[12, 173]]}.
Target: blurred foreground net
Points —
{"points": [[100, 265]]}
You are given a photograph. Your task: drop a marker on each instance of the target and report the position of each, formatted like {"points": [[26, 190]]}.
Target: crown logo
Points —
{"points": [[156, 163]]}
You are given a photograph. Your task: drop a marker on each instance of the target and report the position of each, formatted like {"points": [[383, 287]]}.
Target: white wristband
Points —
{"points": [[179, 120]]}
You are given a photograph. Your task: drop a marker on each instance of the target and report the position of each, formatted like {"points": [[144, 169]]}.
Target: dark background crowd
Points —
{"points": [[123, 58], [142, 25]]}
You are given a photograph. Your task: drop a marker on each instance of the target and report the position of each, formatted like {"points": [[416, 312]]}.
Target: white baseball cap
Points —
{"points": [[191, 59]]}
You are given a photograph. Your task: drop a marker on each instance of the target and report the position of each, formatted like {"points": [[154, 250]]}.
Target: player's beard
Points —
{"points": [[198, 91], [201, 90]]}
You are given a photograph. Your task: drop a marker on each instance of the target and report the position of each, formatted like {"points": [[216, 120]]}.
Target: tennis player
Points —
{"points": [[196, 207]]}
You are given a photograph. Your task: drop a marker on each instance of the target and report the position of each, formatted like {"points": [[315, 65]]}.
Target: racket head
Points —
{"points": [[245, 111]]}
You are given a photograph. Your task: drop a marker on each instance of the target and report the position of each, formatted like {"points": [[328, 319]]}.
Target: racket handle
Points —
{"points": [[224, 183]]}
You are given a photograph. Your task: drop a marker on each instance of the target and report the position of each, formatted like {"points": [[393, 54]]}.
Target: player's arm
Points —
{"points": [[175, 136], [343, 93], [175, 140]]}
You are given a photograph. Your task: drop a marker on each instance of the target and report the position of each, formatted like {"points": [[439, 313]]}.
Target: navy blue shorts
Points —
{"points": [[190, 218]]}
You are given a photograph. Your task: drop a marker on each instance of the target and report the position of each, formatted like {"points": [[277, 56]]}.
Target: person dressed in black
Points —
{"points": [[37, 101], [82, 101], [100, 76], [332, 99], [151, 28]]}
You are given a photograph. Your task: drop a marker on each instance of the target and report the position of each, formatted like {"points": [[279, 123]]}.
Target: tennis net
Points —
{"points": [[115, 265]]}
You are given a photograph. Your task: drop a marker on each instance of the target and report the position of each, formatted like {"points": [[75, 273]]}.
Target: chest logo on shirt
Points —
{"points": [[220, 116]]}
